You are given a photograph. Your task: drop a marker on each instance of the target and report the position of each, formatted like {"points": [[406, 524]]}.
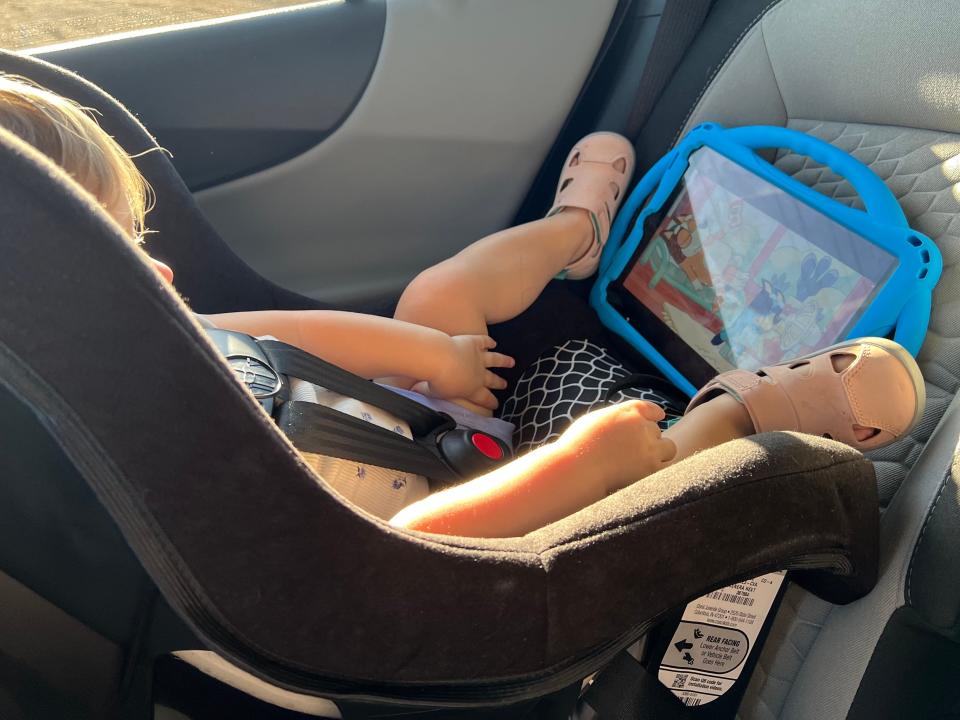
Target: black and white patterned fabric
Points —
{"points": [[567, 382]]}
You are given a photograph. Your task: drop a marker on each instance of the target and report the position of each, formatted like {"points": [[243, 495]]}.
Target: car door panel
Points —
{"points": [[464, 103], [341, 147], [228, 98]]}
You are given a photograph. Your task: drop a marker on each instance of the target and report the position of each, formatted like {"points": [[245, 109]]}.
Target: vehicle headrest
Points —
{"points": [[280, 576]]}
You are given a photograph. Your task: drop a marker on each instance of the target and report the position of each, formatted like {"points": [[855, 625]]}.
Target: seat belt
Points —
{"points": [[680, 22]]}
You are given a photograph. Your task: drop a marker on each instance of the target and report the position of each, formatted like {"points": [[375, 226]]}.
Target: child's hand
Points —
{"points": [[465, 373], [623, 441]]}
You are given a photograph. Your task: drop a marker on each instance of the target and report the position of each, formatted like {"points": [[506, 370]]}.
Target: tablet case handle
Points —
{"points": [[913, 321], [880, 205], [877, 198], [914, 299], [632, 205]]}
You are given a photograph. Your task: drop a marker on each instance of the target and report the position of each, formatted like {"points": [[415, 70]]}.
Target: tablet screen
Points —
{"points": [[744, 274]]}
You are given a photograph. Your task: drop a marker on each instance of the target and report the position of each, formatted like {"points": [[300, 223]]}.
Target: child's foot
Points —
{"points": [[595, 179], [865, 393]]}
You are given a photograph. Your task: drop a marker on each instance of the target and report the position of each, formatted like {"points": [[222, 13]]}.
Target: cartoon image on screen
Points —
{"points": [[746, 275]]}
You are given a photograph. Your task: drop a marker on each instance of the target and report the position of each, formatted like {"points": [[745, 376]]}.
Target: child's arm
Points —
{"points": [[373, 347], [601, 452]]}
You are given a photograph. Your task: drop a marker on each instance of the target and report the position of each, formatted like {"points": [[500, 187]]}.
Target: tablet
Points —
{"points": [[738, 273]]}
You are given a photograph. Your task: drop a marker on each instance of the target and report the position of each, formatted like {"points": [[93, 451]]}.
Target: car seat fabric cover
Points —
{"points": [[877, 79], [281, 577]]}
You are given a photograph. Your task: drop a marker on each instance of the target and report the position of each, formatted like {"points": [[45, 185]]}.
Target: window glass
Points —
{"points": [[35, 23]]}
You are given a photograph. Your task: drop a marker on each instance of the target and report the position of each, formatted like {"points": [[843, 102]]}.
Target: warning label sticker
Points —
{"points": [[714, 638]]}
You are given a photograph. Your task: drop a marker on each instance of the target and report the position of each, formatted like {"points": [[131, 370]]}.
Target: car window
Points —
{"points": [[36, 23]]}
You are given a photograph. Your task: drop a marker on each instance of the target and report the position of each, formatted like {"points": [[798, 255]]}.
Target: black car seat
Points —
{"points": [[879, 79], [263, 564]]}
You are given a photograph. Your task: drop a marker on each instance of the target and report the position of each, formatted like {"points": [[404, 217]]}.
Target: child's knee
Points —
{"points": [[434, 285]]}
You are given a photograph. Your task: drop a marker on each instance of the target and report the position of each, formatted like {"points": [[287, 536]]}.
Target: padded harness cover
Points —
{"points": [[287, 581]]}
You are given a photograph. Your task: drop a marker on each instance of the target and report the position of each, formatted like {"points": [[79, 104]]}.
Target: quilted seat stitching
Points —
{"points": [[923, 531]]}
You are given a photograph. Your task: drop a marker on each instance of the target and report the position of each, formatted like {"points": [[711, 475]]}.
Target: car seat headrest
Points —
{"points": [[279, 575]]}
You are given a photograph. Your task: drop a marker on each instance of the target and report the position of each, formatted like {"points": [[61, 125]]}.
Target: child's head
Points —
{"points": [[69, 135]]}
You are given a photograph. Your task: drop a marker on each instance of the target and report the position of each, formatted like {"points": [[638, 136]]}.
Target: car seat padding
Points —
{"points": [[281, 577]]}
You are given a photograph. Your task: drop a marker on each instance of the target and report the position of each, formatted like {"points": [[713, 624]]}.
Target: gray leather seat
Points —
{"points": [[880, 79]]}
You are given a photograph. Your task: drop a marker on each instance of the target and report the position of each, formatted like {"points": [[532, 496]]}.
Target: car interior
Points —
{"points": [[165, 552]]}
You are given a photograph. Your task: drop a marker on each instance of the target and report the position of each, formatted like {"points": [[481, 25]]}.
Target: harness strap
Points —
{"points": [[294, 362], [439, 450], [679, 24], [318, 429]]}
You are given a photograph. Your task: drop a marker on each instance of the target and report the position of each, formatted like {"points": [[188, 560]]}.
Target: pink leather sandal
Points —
{"points": [[881, 389], [594, 178]]}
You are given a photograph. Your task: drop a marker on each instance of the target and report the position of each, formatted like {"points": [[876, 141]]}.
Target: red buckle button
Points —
{"points": [[487, 445]]}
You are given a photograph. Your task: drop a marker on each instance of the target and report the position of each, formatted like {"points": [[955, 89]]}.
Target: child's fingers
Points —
{"points": [[487, 342], [422, 387], [494, 381], [485, 399], [654, 412], [649, 410], [493, 359], [668, 449]]}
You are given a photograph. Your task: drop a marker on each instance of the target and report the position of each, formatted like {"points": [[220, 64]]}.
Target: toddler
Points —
{"points": [[436, 348]]}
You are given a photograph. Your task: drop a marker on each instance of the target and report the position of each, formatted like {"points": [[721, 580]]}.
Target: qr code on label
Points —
{"points": [[679, 681]]}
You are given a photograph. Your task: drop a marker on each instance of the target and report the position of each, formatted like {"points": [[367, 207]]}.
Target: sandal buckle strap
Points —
{"points": [[872, 369], [769, 406]]}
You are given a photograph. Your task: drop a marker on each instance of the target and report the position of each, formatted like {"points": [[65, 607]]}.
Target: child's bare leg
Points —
{"points": [[713, 423], [724, 418], [496, 278], [608, 449]]}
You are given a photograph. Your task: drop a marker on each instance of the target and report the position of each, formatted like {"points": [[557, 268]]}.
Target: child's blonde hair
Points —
{"points": [[69, 135]]}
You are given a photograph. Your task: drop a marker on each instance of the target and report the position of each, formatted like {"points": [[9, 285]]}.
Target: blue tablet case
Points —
{"points": [[901, 307]]}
